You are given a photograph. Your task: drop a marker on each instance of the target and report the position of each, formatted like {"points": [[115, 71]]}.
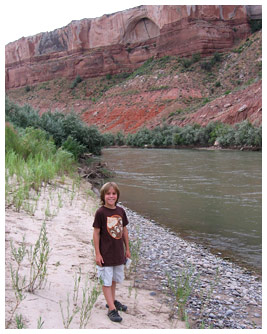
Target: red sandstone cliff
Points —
{"points": [[166, 92], [122, 41]]}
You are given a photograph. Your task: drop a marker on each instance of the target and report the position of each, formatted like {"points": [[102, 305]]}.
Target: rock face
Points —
{"points": [[233, 108], [130, 113], [122, 41]]}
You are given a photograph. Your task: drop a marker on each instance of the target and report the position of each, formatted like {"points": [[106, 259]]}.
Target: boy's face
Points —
{"points": [[111, 198]]}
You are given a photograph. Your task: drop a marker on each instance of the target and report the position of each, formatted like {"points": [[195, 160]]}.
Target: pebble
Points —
{"points": [[225, 296], [229, 313]]}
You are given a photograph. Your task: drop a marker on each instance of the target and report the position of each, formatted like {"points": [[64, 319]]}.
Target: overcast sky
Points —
{"points": [[30, 17]]}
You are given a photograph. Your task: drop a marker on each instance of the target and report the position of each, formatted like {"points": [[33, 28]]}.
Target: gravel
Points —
{"points": [[224, 295]]}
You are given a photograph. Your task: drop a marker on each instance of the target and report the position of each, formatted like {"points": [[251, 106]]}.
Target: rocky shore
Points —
{"points": [[224, 295]]}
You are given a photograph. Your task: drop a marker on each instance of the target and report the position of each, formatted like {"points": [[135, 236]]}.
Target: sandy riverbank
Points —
{"points": [[69, 216]]}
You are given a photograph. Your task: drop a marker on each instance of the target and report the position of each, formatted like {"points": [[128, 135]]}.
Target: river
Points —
{"points": [[209, 197]]}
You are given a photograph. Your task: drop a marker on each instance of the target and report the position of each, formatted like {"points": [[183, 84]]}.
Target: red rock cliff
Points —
{"points": [[122, 41]]}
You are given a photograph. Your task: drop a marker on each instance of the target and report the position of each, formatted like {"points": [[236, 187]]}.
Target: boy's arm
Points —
{"points": [[96, 237], [126, 242]]}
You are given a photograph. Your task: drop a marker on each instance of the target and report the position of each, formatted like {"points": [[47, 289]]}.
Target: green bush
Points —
{"points": [[53, 124], [243, 134], [187, 62], [247, 135], [71, 145], [255, 25], [119, 138], [60, 126], [207, 65], [76, 81], [108, 139], [21, 116], [140, 138]]}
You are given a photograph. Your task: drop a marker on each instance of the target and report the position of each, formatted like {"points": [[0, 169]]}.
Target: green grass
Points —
{"points": [[31, 162]]}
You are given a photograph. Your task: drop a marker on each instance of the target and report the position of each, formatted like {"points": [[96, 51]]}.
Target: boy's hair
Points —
{"points": [[105, 188]]}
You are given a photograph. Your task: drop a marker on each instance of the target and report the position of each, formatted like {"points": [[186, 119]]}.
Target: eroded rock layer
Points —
{"points": [[122, 41]]}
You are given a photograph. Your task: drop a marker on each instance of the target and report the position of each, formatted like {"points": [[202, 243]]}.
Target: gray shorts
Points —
{"points": [[109, 274]]}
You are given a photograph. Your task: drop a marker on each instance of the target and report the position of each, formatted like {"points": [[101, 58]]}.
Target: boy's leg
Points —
{"points": [[108, 294], [113, 288]]}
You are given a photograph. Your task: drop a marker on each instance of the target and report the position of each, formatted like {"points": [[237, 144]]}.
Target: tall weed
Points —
{"points": [[31, 161], [36, 275]]}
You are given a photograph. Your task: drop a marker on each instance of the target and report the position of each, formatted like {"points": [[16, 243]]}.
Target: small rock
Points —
{"points": [[243, 108], [229, 313]]}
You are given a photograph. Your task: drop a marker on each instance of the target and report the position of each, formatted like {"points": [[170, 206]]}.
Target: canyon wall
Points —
{"points": [[120, 42]]}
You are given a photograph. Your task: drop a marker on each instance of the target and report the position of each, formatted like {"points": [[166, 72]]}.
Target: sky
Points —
{"points": [[30, 17]]}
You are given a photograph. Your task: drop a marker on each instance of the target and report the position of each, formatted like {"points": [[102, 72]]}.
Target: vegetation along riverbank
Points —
{"points": [[73, 135]]}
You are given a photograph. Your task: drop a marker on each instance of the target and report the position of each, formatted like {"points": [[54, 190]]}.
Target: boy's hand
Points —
{"points": [[128, 254], [99, 260]]}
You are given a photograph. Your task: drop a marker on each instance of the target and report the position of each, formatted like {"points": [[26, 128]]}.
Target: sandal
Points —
{"points": [[119, 306], [114, 316]]}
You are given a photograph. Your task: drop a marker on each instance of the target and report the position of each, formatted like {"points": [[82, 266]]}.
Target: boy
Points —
{"points": [[110, 236]]}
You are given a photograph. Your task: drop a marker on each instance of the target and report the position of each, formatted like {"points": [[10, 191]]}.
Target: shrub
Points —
{"points": [[215, 130], [217, 57], [21, 116], [119, 138], [255, 25], [196, 57], [76, 81], [53, 124], [57, 124], [71, 145], [206, 65], [247, 135], [243, 134], [145, 68], [186, 62], [108, 139], [140, 138], [227, 139]]}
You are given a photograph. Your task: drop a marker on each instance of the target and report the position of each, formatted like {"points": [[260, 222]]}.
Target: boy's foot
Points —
{"points": [[114, 316], [119, 306]]}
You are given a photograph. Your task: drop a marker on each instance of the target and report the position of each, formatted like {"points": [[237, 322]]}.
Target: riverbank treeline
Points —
{"points": [[240, 135], [73, 135]]}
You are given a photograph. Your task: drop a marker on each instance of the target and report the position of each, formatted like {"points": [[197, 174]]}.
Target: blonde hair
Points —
{"points": [[105, 188]]}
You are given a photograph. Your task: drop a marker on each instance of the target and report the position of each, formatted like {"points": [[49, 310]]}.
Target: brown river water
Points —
{"points": [[210, 197]]}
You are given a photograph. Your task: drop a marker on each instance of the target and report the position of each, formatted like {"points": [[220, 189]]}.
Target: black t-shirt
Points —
{"points": [[111, 223]]}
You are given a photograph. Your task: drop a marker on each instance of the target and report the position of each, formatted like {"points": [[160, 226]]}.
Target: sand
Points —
{"points": [[69, 216]]}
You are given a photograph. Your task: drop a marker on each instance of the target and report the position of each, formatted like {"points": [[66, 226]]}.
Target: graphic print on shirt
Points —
{"points": [[115, 226]]}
